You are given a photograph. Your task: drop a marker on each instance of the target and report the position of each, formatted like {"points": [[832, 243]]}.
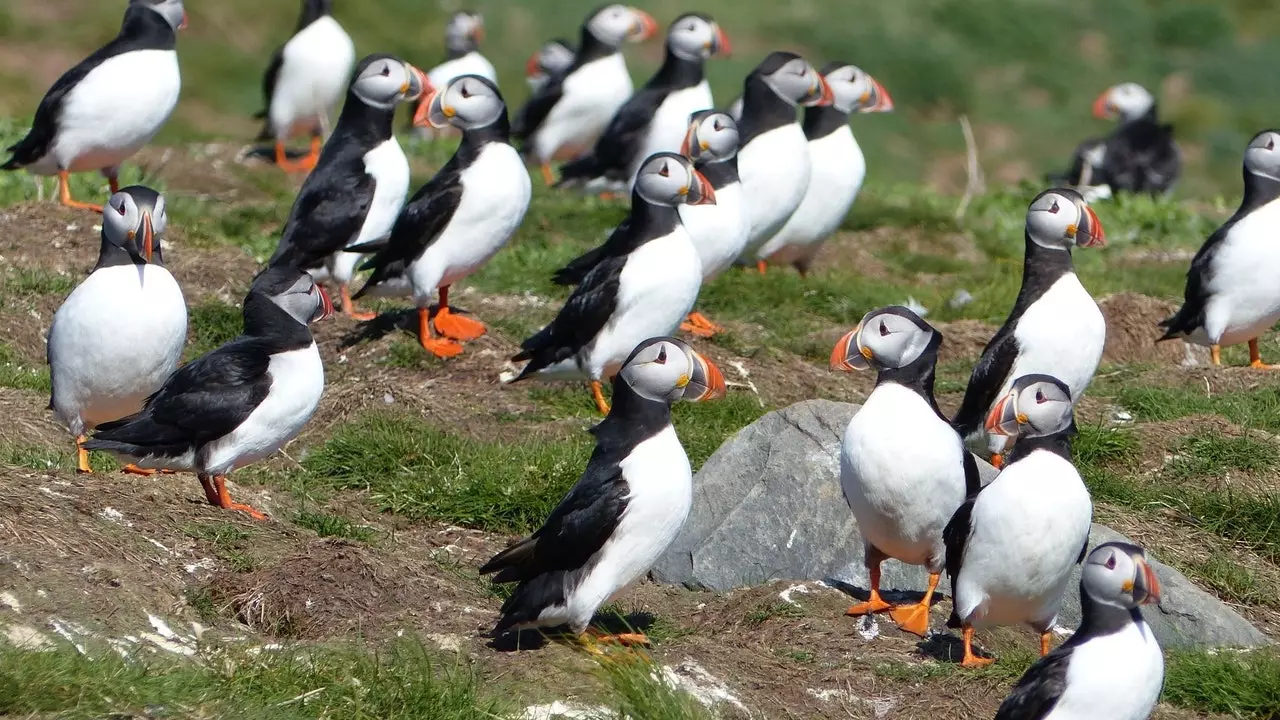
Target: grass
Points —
{"points": [[26, 282], [763, 612], [334, 526], [1258, 409], [1205, 455], [1242, 685], [228, 542], [19, 375], [211, 324], [640, 690]]}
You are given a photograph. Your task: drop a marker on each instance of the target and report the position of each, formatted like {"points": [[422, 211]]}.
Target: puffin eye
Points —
{"points": [[1040, 398], [662, 356], [884, 329], [1111, 563], [717, 125], [386, 71], [1271, 144], [1055, 208], [465, 93], [121, 209], [664, 172]]}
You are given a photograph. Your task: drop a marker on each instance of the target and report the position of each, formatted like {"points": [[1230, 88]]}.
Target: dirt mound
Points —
{"points": [[1132, 327], [964, 340]]}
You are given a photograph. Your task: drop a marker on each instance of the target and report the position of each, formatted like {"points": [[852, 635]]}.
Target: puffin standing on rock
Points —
{"points": [[1055, 326], [119, 335], [360, 182], [1232, 291], [641, 283], [837, 167], [656, 118], [458, 220], [304, 82], [239, 403], [1112, 666], [102, 111], [565, 117], [625, 510], [1011, 546], [901, 507]]}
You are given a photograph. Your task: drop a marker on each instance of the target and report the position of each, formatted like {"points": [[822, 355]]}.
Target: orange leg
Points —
{"points": [[610, 196], [210, 490], [997, 460], [440, 347], [915, 618], [308, 163], [284, 163], [1044, 643], [64, 194], [597, 392], [132, 469], [113, 181], [82, 456], [349, 306], [548, 177], [1215, 354], [1255, 358], [970, 660], [876, 603], [761, 266], [454, 326], [624, 639], [225, 502], [699, 325]]}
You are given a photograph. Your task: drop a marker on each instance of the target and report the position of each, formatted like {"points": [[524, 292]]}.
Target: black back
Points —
{"points": [[312, 10], [762, 108], [1141, 156], [142, 29], [535, 110]]}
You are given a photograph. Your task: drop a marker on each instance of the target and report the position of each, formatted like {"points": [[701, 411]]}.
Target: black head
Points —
{"points": [[1262, 156], [792, 79], [669, 179], [696, 37], [171, 10], [464, 32], [854, 90], [293, 291], [712, 137], [613, 25]]}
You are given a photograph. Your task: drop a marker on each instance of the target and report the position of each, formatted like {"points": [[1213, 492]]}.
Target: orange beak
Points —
{"points": [[1150, 584], [648, 27], [478, 34], [183, 25], [423, 82], [723, 47], [532, 67], [422, 116], [847, 355], [687, 144], [823, 97], [882, 101], [1102, 107], [326, 305], [1093, 235], [148, 238], [706, 383], [1003, 418], [706, 193]]}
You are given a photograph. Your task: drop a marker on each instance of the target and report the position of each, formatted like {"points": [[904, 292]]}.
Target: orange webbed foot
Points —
{"points": [[226, 503], [441, 347], [82, 457], [874, 605], [912, 618], [458, 327]]}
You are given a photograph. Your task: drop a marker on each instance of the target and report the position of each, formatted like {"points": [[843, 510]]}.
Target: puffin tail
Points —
{"points": [[579, 171], [1180, 325]]}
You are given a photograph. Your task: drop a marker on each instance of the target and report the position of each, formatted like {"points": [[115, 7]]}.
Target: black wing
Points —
{"points": [[575, 271], [330, 208], [269, 85], [621, 141], [204, 400], [583, 316], [988, 377], [1039, 689], [955, 536], [1191, 315], [536, 108]]}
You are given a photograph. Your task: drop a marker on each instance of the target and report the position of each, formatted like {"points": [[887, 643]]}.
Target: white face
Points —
{"points": [[666, 369], [1058, 219], [1118, 574], [1035, 406], [171, 10], [856, 91], [888, 338], [387, 82], [1262, 157], [669, 179], [696, 38], [712, 138], [799, 84], [1126, 101], [135, 218], [467, 103], [615, 24], [554, 57], [304, 300]]}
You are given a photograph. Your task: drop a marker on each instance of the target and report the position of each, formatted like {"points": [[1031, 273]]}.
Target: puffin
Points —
{"points": [[305, 80], [566, 115], [102, 111], [239, 403], [1227, 298], [461, 218], [1055, 326], [360, 182], [837, 167], [462, 37], [642, 283], [1010, 547], [119, 335], [625, 509], [554, 57], [719, 232], [1111, 666], [773, 154], [656, 118], [901, 508], [1139, 156]]}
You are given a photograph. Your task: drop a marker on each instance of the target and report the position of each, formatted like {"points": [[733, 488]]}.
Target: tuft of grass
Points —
{"points": [[19, 375], [229, 542], [1240, 684], [1205, 454], [38, 457], [201, 600], [26, 282], [642, 690], [1256, 409], [326, 525], [766, 611], [803, 657], [212, 323], [1231, 581]]}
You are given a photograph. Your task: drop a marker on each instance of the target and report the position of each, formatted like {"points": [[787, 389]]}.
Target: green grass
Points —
{"points": [[1256, 409], [639, 691], [334, 526], [212, 323], [230, 543], [37, 281], [768, 610], [1243, 685], [1233, 582], [1208, 455], [20, 375]]}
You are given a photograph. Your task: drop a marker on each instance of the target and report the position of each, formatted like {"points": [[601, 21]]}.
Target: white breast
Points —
{"points": [[1028, 527], [495, 196], [473, 63], [657, 472], [315, 69], [902, 471], [297, 382], [113, 111], [671, 122], [1116, 676], [115, 340], [837, 171], [774, 168], [719, 232], [1061, 334], [1244, 280], [590, 97]]}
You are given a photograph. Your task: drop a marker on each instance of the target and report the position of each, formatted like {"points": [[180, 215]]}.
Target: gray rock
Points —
{"points": [[768, 505]]}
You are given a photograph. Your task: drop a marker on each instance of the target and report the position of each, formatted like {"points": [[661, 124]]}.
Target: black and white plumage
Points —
{"points": [[656, 117], [119, 335], [1011, 546], [1140, 155], [359, 185], [461, 218], [554, 57], [462, 37], [1055, 326], [837, 167], [773, 155], [103, 110], [625, 509], [1112, 666], [641, 283], [239, 403], [1232, 294], [304, 81], [564, 118], [901, 505]]}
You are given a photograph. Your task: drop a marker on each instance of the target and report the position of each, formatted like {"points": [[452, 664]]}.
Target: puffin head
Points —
{"points": [[385, 81], [794, 80], [1035, 405], [293, 291], [666, 369], [854, 90], [134, 219], [468, 102], [887, 339], [464, 32], [553, 57], [669, 179], [171, 10], [1262, 157], [712, 137], [1060, 218], [1118, 574], [614, 25], [1125, 102], [696, 37]]}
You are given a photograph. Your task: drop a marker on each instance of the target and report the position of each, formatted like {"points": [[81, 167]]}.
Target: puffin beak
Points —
{"points": [[326, 305], [644, 28], [147, 246], [183, 25], [478, 34], [1004, 418], [533, 68], [1146, 586], [849, 355], [706, 382], [702, 193], [687, 144], [879, 100], [1091, 233], [819, 95], [417, 85], [721, 46], [1102, 108]]}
